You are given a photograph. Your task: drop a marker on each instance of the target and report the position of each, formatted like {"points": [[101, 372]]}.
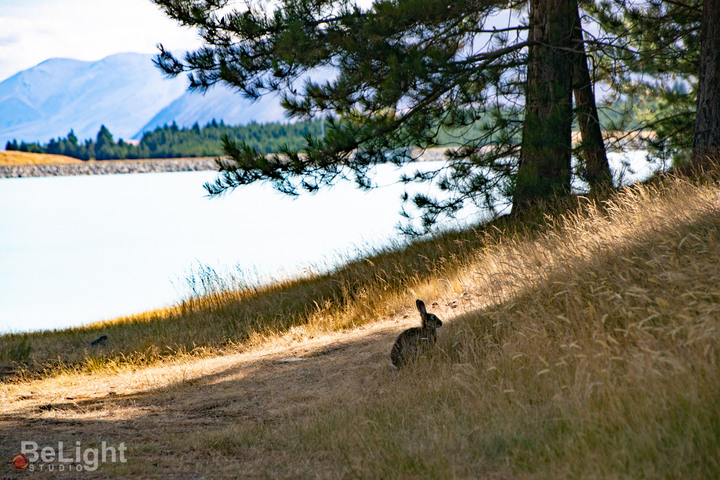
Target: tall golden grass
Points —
{"points": [[596, 355], [593, 352], [217, 319]]}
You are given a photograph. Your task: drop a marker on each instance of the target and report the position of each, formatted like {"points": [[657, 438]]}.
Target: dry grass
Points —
{"points": [[585, 344], [596, 355], [13, 159], [219, 321]]}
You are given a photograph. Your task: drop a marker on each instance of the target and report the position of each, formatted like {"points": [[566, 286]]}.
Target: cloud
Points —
{"points": [[32, 32], [7, 38]]}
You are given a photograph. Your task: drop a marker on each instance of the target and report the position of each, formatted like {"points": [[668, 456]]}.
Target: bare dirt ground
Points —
{"points": [[286, 378]]}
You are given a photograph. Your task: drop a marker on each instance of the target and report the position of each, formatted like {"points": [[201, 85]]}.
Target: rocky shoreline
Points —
{"points": [[108, 167]]}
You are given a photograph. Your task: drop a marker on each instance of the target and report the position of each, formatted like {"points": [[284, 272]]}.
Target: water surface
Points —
{"points": [[79, 249]]}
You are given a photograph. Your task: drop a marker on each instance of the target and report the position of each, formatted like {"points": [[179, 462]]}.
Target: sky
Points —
{"points": [[31, 31]]}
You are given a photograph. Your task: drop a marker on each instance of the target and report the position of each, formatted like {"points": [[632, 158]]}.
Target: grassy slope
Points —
{"points": [[586, 345], [13, 158]]}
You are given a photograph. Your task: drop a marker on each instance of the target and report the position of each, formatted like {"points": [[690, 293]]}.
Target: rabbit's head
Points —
{"points": [[429, 320]]}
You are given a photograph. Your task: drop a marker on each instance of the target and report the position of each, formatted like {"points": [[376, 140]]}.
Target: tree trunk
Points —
{"points": [[544, 166], [706, 141], [597, 168]]}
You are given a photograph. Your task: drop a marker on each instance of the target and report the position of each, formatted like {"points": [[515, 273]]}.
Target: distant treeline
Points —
{"points": [[170, 141]]}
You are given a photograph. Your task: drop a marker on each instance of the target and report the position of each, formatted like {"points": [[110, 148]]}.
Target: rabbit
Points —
{"points": [[413, 340]]}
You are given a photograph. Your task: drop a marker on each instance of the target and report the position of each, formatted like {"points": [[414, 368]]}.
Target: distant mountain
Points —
{"points": [[121, 91], [124, 92], [218, 103]]}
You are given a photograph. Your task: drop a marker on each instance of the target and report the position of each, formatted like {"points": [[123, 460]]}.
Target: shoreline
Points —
{"points": [[59, 165], [109, 167], [163, 165]]}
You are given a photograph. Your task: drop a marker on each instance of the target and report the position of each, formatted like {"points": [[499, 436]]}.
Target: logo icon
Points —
{"points": [[20, 462]]}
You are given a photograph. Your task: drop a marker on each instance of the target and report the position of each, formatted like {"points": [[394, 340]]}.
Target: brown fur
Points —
{"points": [[415, 340]]}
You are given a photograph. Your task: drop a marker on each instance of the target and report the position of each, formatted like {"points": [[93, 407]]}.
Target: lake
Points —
{"points": [[74, 250]]}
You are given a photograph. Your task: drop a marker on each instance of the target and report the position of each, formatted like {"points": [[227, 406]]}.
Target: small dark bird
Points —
{"points": [[415, 340], [99, 341]]}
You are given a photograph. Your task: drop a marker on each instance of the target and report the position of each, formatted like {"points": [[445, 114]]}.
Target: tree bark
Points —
{"points": [[544, 166], [597, 168], [706, 141]]}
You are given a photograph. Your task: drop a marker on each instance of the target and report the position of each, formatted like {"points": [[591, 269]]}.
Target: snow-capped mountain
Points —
{"points": [[125, 92]]}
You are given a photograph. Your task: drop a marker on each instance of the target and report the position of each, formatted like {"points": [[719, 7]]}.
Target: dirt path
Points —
{"points": [[284, 379]]}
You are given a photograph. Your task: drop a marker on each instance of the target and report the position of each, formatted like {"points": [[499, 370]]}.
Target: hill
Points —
{"points": [[583, 343], [10, 158]]}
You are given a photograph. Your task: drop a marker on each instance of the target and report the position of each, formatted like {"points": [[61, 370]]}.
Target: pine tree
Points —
{"points": [[408, 73], [104, 145], [651, 57], [664, 62], [71, 147], [545, 167], [596, 166], [706, 138]]}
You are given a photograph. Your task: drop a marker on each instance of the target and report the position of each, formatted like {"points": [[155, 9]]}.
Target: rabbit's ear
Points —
{"points": [[421, 307]]}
